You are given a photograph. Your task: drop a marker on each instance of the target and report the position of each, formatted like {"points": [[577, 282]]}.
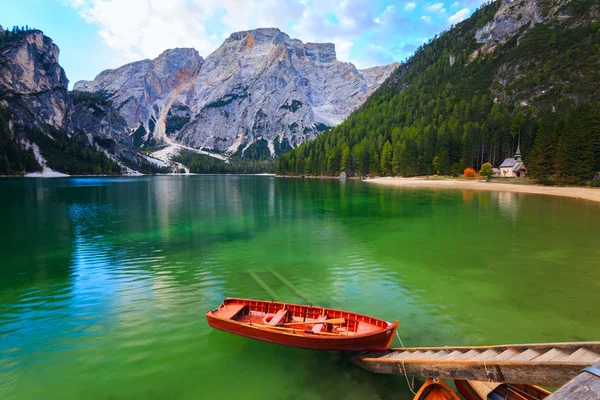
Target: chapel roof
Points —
{"points": [[508, 162]]}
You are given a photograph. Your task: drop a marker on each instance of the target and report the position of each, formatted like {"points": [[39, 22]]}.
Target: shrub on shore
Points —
{"points": [[469, 173], [487, 171]]}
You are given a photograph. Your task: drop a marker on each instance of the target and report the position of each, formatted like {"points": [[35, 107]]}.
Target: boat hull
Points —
{"points": [[373, 341], [434, 389], [466, 390]]}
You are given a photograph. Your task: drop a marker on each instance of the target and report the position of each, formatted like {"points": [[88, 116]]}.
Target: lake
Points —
{"points": [[104, 282]]}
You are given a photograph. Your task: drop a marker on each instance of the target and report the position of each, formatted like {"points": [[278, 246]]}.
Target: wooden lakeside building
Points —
{"points": [[512, 167]]}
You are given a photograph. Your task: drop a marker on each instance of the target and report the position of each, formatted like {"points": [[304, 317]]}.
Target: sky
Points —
{"points": [[94, 35]]}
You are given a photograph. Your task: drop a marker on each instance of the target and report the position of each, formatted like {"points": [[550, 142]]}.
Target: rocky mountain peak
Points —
{"points": [[181, 64], [32, 65], [29, 69], [261, 35], [140, 89], [246, 40], [33, 87], [322, 52], [259, 88], [179, 57]]}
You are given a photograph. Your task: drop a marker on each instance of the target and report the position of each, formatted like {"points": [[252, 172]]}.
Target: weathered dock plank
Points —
{"points": [[585, 386], [538, 374], [547, 364]]}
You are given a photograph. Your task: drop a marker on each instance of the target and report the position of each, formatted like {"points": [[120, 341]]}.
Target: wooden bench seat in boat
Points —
{"points": [[362, 328], [319, 327], [279, 317], [231, 310]]}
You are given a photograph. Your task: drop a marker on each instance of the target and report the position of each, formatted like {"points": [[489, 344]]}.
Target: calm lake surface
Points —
{"points": [[104, 282]]}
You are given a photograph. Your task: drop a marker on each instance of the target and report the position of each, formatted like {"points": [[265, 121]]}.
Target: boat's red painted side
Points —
{"points": [[466, 390], [378, 340]]}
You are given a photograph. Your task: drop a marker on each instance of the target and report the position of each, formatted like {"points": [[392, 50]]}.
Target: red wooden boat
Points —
{"points": [[434, 389], [302, 326]]}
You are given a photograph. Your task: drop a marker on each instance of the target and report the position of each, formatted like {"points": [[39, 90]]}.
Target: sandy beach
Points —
{"points": [[578, 193]]}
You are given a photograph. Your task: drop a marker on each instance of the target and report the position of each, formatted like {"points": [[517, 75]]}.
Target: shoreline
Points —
{"points": [[36, 175], [573, 192], [580, 193]]}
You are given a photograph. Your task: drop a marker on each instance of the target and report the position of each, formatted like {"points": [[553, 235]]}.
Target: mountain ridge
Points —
{"points": [[100, 126], [260, 88]]}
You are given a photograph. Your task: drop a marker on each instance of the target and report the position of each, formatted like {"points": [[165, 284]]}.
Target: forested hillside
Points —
{"points": [[14, 159], [203, 164], [469, 95]]}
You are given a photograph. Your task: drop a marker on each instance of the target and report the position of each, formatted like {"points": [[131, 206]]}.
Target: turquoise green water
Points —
{"points": [[104, 282]]}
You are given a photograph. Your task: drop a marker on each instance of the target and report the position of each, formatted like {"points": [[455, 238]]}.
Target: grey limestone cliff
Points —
{"points": [[34, 88], [30, 73], [258, 86], [141, 90]]}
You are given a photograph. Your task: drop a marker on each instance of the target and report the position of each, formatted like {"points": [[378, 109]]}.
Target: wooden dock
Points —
{"points": [[585, 386], [575, 365], [550, 364]]}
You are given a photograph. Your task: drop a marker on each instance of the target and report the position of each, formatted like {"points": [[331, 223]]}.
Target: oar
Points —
{"points": [[327, 321]]}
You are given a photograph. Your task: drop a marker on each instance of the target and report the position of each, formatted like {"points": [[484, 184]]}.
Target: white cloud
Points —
{"points": [[137, 29], [140, 29], [387, 15], [342, 49], [437, 7], [456, 4], [459, 16]]}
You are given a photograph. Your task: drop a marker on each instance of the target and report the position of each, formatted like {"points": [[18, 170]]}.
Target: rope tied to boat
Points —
{"points": [[403, 370], [487, 372], [401, 344]]}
